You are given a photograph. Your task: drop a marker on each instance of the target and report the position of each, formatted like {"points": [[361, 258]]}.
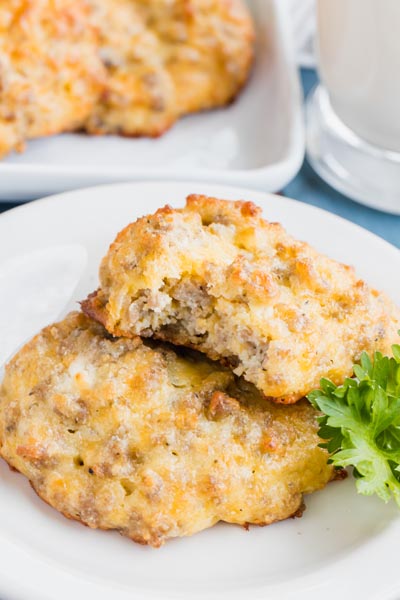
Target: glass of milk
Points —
{"points": [[353, 117]]}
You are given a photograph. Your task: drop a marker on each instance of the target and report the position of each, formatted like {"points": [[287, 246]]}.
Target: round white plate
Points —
{"points": [[345, 546]]}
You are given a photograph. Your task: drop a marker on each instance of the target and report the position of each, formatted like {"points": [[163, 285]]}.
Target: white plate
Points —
{"points": [[345, 546], [256, 142]]}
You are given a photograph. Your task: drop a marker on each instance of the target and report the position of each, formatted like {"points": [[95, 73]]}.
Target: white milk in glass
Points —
{"points": [[359, 62]]}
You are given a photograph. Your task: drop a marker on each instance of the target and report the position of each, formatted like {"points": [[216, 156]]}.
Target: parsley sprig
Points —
{"points": [[361, 423]]}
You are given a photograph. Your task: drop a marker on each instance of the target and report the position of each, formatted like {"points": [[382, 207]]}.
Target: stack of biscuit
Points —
{"points": [[176, 398]]}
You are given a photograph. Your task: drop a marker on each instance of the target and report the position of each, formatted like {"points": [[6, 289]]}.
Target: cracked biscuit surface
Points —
{"points": [[124, 435], [217, 277]]}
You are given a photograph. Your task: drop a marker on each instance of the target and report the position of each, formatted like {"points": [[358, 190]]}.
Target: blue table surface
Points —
{"points": [[308, 187]]}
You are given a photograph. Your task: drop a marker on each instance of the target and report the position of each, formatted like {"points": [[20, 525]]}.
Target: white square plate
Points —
{"points": [[256, 142]]}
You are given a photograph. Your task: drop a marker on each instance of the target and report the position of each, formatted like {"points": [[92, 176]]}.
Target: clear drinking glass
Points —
{"points": [[353, 117]]}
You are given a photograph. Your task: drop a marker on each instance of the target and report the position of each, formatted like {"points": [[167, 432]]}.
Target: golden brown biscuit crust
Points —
{"points": [[50, 72], [217, 277], [122, 435]]}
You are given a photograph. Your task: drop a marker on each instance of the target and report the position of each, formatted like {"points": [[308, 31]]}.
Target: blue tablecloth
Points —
{"points": [[308, 187]]}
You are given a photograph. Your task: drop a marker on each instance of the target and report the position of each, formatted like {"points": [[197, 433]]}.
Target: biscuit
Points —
{"points": [[167, 59], [50, 73], [217, 277], [126, 435], [208, 48]]}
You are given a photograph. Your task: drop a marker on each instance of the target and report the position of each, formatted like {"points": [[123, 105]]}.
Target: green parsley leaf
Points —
{"points": [[360, 423]]}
